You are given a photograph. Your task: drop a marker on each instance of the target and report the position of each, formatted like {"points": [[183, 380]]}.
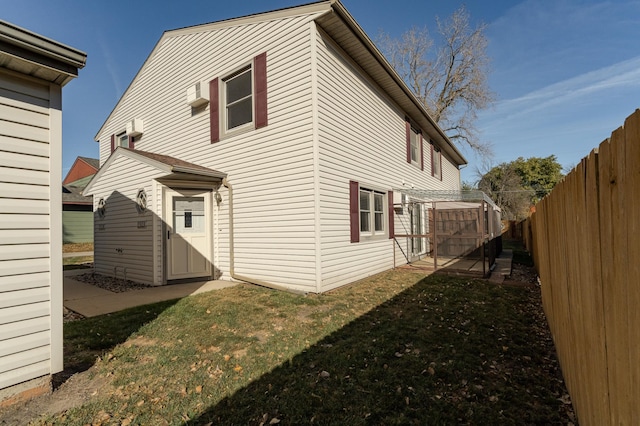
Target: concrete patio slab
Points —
{"points": [[90, 301]]}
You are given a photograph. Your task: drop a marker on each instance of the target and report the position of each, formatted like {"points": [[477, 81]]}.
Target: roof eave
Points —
{"points": [[192, 171], [35, 48], [418, 113]]}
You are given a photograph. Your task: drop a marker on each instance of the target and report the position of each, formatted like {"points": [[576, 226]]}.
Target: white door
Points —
{"points": [[188, 217]]}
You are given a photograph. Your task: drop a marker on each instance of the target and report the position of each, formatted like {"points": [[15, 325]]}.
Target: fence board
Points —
{"points": [[632, 155], [585, 241]]}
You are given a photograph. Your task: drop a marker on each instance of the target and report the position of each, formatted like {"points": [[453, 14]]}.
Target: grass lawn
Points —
{"points": [[397, 348], [76, 262]]}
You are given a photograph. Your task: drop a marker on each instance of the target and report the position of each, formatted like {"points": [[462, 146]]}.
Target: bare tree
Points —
{"points": [[450, 80]]}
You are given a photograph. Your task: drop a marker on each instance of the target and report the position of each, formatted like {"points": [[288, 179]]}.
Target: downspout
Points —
{"points": [[235, 276]]}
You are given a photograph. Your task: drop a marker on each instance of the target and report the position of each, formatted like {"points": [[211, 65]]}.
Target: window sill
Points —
{"points": [[376, 237], [245, 128]]}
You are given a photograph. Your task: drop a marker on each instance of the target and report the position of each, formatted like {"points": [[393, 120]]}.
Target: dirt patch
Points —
{"points": [[522, 275], [80, 388], [77, 247], [261, 335], [140, 341]]}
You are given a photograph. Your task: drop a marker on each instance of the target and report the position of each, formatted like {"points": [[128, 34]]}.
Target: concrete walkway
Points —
{"points": [[503, 267], [90, 301]]}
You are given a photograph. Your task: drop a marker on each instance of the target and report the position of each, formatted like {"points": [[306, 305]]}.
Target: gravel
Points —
{"points": [[116, 285]]}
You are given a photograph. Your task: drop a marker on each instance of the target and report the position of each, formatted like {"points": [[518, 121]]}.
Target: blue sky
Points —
{"points": [[565, 72]]}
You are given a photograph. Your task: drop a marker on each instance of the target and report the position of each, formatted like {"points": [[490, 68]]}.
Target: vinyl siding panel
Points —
{"points": [[77, 226], [27, 127], [271, 169], [362, 137], [121, 246]]}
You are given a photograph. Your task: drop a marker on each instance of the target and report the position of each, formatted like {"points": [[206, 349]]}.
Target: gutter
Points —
{"points": [[36, 43], [250, 280]]}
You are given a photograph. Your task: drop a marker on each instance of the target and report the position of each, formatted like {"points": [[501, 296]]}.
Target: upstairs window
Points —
{"points": [[238, 100], [436, 162], [414, 145], [122, 140]]}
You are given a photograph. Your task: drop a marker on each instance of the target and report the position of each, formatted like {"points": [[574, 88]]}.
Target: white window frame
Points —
{"points": [[371, 212], [122, 136], [224, 116], [436, 162], [415, 146]]}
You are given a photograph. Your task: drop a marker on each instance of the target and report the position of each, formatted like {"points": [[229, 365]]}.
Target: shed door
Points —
{"points": [[188, 234]]}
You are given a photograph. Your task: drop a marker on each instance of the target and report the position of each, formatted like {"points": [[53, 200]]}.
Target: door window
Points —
{"points": [[188, 215]]}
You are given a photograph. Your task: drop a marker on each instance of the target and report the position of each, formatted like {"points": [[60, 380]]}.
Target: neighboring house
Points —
{"points": [[263, 149], [77, 209], [33, 70]]}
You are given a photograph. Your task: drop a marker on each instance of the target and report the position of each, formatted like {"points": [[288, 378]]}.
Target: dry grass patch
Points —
{"points": [[397, 348]]}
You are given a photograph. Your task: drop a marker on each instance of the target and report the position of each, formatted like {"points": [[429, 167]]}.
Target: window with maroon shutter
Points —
{"points": [[437, 163], [354, 211], [214, 116], [414, 145], [368, 212], [131, 142], [239, 100], [432, 163], [260, 89], [421, 153], [390, 213], [408, 136]]}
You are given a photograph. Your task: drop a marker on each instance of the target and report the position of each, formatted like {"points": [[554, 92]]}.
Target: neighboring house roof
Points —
{"points": [[82, 167], [32, 54], [82, 182], [174, 168], [93, 162], [342, 27], [73, 195]]}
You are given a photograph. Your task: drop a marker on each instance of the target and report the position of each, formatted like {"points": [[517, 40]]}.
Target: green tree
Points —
{"points": [[517, 185], [539, 175]]}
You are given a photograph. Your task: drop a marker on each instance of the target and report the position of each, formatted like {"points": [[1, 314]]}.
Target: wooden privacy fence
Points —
{"points": [[585, 240]]}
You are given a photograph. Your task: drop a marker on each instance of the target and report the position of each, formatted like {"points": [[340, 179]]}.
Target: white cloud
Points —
{"points": [[580, 89]]}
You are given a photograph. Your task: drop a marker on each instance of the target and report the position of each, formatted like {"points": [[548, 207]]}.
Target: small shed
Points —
{"points": [[33, 70], [451, 231]]}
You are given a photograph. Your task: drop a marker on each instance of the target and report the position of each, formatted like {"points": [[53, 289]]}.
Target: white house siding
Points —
{"points": [[362, 137], [30, 237], [271, 169], [122, 247]]}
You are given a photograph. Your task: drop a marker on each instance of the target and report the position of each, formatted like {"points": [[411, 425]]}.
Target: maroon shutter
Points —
{"points": [[214, 116], [440, 158], [260, 82], [432, 163], [408, 132], [131, 142], [354, 211], [113, 143], [421, 153], [391, 221]]}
